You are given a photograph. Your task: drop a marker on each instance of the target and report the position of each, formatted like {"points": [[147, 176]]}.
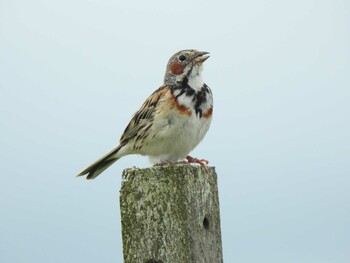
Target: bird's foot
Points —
{"points": [[189, 160], [202, 162]]}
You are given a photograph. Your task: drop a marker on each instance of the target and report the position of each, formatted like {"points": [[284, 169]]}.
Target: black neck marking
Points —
{"points": [[199, 97]]}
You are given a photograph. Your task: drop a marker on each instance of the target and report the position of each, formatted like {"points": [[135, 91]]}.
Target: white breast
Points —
{"points": [[176, 140]]}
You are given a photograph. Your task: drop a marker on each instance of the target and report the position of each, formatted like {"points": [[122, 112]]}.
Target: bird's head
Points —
{"points": [[184, 64]]}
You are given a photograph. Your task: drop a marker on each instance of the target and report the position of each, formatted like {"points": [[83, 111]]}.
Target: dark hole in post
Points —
{"points": [[206, 222]]}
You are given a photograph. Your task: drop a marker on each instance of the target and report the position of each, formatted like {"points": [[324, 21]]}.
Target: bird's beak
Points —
{"points": [[201, 57]]}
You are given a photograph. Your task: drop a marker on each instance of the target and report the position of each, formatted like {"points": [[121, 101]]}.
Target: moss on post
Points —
{"points": [[170, 214]]}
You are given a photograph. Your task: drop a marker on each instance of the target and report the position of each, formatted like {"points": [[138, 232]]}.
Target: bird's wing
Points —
{"points": [[142, 120]]}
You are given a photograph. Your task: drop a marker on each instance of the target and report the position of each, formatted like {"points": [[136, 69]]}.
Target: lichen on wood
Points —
{"points": [[170, 214]]}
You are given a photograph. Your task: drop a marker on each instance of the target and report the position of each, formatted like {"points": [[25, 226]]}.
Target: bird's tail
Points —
{"points": [[94, 169]]}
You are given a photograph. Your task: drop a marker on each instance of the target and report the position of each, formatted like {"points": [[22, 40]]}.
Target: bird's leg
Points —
{"points": [[201, 162], [189, 160]]}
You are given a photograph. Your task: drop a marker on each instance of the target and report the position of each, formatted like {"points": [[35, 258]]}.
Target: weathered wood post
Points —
{"points": [[170, 214]]}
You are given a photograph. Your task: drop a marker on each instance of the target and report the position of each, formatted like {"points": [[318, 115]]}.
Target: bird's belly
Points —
{"points": [[176, 137]]}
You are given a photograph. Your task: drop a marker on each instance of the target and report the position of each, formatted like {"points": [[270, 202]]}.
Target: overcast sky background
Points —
{"points": [[73, 72]]}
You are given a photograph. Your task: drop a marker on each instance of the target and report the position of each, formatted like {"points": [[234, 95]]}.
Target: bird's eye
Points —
{"points": [[182, 57]]}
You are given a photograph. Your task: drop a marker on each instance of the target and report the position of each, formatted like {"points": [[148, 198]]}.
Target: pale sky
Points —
{"points": [[72, 73]]}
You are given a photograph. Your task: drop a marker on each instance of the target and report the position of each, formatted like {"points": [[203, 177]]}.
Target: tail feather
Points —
{"points": [[100, 165]]}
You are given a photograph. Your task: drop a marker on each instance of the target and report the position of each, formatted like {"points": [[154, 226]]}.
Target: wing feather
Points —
{"points": [[142, 120]]}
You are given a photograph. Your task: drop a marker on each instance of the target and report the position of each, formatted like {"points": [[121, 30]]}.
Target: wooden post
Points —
{"points": [[170, 214]]}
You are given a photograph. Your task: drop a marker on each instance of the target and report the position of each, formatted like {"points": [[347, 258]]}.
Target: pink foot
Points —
{"points": [[189, 160], [201, 162]]}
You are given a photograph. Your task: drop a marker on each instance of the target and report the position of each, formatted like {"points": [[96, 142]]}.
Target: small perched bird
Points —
{"points": [[171, 122]]}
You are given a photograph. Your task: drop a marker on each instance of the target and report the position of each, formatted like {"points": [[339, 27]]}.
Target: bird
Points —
{"points": [[171, 122]]}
